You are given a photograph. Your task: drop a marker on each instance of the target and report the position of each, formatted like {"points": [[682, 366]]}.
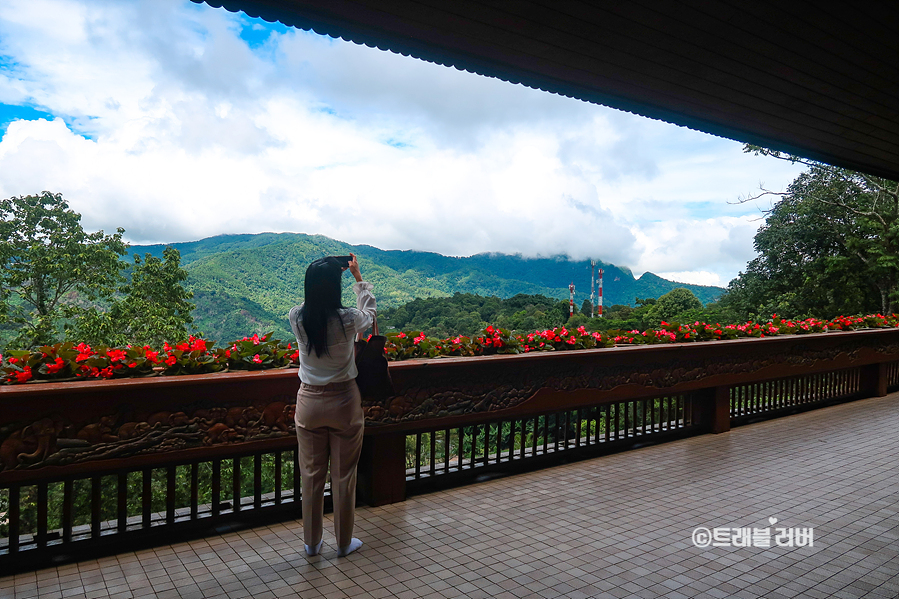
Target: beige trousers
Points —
{"points": [[329, 423]]}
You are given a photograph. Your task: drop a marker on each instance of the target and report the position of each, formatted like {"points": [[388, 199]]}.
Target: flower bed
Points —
{"points": [[67, 361]]}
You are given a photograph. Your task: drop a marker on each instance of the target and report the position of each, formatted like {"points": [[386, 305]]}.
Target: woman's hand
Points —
{"points": [[354, 268]]}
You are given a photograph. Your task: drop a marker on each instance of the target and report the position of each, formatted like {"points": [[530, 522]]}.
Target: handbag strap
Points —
{"points": [[374, 327]]}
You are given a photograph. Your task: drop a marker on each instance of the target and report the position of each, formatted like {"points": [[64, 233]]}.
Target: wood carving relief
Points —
{"points": [[57, 439]]}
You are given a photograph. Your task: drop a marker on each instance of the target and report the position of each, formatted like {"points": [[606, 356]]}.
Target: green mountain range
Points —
{"points": [[247, 283]]}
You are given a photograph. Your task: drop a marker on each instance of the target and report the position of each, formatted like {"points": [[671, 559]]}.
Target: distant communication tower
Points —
{"points": [[571, 300], [599, 299], [592, 286]]}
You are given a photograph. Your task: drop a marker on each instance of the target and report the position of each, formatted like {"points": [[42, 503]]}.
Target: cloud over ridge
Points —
{"points": [[177, 121]]}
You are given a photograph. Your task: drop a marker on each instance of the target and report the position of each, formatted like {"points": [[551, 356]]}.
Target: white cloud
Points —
{"points": [[193, 133]]}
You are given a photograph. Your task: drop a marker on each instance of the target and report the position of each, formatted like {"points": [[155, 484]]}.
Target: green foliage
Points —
{"points": [[586, 307], [830, 245], [246, 284], [258, 353], [153, 307], [671, 304], [46, 258], [467, 314]]}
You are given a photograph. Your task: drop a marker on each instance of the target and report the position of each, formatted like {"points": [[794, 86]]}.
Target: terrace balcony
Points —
{"points": [[600, 522]]}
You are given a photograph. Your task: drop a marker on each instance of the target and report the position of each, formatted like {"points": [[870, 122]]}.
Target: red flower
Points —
{"points": [[401, 335], [152, 356], [106, 373], [489, 329], [257, 359], [23, 376], [58, 365], [116, 355], [183, 346], [171, 360]]}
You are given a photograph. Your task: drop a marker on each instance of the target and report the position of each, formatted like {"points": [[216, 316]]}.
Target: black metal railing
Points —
{"points": [[767, 397], [63, 515], [492, 444]]}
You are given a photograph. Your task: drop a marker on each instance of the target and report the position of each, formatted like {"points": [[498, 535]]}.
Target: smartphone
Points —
{"points": [[344, 260]]}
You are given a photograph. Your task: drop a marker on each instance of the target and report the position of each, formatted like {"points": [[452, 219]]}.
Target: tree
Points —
{"points": [[587, 307], [671, 304], [154, 307], [48, 262], [829, 245]]}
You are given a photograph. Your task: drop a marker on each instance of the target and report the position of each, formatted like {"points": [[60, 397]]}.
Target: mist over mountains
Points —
{"points": [[247, 283]]}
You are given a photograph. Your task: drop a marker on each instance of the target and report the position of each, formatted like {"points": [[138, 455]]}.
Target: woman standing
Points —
{"points": [[329, 418]]}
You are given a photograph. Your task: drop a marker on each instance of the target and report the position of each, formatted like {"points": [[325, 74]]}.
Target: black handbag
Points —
{"points": [[373, 378]]}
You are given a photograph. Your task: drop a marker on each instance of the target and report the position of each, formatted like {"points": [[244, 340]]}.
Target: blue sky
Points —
{"points": [[178, 121]]}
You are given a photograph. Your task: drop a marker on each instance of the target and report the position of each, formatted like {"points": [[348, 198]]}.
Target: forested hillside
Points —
{"points": [[247, 283]]}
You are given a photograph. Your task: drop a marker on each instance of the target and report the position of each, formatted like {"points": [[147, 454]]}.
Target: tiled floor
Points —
{"points": [[617, 526]]}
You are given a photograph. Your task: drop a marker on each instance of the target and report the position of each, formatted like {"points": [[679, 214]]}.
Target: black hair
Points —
{"points": [[322, 290]]}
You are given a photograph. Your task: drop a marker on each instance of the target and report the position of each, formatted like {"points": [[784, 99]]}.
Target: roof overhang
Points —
{"points": [[819, 80]]}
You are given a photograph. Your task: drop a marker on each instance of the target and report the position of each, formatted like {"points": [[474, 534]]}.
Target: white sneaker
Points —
{"points": [[310, 550], [353, 546]]}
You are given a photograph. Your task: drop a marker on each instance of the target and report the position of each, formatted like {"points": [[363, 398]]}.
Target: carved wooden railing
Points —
{"points": [[103, 465]]}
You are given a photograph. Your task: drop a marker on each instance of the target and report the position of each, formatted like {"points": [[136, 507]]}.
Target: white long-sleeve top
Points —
{"points": [[338, 364]]}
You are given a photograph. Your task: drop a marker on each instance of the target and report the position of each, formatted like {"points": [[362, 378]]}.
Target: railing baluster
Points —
{"points": [[446, 451], [643, 416], [42, 515], [279, 458], [146, 497], [606, 419], [297, 483], [194, 491], [68, 492], [418, 455], [432, 436], [590, 421], [499, 441], [577, 428], [14, 518], [122, 502], [95, 507], [257, 481], [216, 487], [545, 432], [236, 485], [171, 475]]}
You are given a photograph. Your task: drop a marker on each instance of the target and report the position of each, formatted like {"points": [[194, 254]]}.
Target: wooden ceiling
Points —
{"points": [[816, 79]]}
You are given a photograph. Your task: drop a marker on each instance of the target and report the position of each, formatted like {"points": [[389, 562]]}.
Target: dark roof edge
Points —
{"points": [[337, 28]]}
